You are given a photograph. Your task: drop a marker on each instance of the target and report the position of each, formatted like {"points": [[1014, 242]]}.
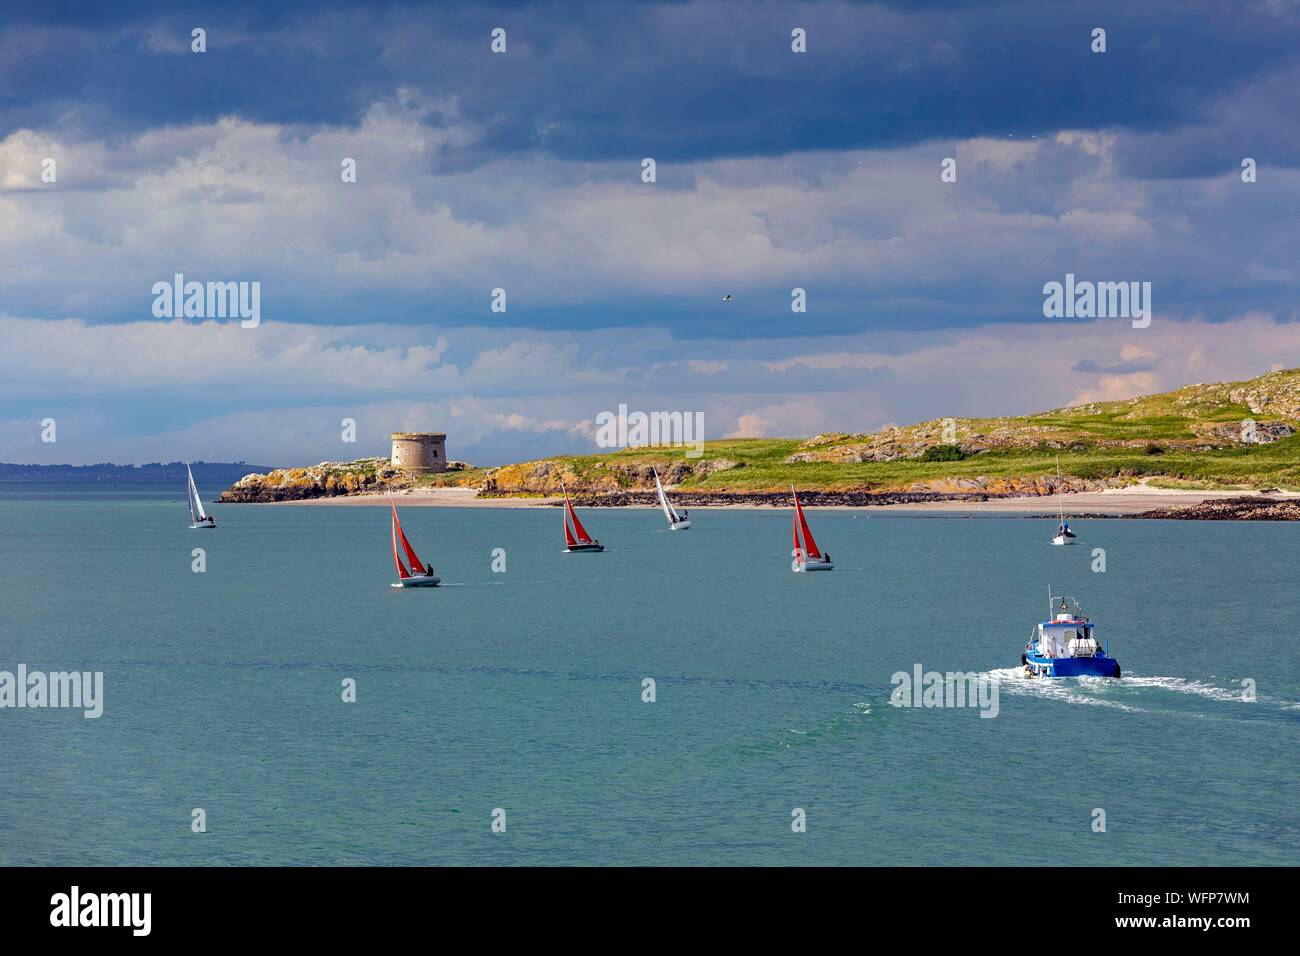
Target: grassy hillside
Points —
{"points": [[1191, 437], [761, 465]]}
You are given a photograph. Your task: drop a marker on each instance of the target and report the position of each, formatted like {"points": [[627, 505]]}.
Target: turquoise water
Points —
{"points": [[522, 690]]}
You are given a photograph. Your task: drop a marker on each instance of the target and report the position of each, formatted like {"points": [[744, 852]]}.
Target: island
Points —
{"points": [[1204, 444]]}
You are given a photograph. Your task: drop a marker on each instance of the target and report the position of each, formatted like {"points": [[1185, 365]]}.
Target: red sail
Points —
{"points": [[810, 546], [569, 540], [411, 556], [401, 571], [578, 529], [795, 522]]}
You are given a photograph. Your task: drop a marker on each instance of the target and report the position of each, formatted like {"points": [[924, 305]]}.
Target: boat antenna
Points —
{"points": [[1049, 602]]}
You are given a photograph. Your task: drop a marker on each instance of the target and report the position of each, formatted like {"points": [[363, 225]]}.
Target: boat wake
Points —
{"points": [[1183, 686], [1133, 688], [831, 726], [1069, 690]]}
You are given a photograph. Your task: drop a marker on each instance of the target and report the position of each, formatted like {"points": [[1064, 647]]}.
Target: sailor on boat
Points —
{"points": [[1064, 529]]}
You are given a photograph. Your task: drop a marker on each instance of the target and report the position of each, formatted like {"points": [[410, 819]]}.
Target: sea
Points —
{"points": [[680, 699]]}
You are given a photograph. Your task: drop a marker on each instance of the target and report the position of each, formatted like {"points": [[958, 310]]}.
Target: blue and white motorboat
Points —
{"points": [[1065, 646]]}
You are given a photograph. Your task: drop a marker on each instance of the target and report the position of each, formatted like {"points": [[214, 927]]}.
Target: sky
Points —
{"points": [[522, 170]]}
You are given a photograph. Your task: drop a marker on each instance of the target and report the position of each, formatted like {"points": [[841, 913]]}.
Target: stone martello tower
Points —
{"points": [[420, 453]]}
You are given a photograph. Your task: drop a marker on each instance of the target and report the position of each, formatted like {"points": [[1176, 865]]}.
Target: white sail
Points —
{"points": [[197, 513], [669, 513]]}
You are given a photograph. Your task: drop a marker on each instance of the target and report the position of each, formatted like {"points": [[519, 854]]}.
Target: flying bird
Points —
{"points": [[727, 297]]}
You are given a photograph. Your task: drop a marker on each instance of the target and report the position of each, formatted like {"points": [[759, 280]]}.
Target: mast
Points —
{"points": [[569, 540], [798, 548], [579, 534], [578, 529], [401, 569], [1059, 502], [810, 543], [399, 534]]}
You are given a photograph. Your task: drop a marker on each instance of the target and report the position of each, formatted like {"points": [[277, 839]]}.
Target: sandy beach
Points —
{"points": [[1129, 500], [1118, 501]]}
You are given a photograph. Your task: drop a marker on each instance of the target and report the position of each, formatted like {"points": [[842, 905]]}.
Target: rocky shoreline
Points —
{"points": [[368, 478], [1241, 508], [1244, 508], [329, 479]]}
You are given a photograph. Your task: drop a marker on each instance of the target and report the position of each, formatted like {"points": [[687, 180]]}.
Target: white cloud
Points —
{"points": [[244, 200], [276, 394], [72, 356]]}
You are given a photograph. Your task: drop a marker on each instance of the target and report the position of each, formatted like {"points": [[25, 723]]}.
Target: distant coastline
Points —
{"points": [[215, 472]]}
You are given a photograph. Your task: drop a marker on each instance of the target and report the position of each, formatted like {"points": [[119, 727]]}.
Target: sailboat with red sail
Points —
{"points": [[575, 535], [419, 574], [807, 556]]}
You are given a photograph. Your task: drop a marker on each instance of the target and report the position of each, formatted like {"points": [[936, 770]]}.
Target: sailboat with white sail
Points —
{"points": [[1063, 533], [677, 520], [419, 575], [575, 535], [807, 556], [198, 517]]}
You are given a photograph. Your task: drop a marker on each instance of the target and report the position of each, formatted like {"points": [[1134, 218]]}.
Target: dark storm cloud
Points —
{"points": [[682, 81]]}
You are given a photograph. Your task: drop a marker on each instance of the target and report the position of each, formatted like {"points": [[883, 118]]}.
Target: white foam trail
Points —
{"points": [[1183, 686], [1014, 681], [1074, 690]]}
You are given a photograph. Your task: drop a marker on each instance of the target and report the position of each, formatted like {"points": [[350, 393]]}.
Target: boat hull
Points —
{"points": [[679, 525], [1062, 540], [803, 566], [418, 581], [585, 547], [1100, 666], [205, 524]]}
